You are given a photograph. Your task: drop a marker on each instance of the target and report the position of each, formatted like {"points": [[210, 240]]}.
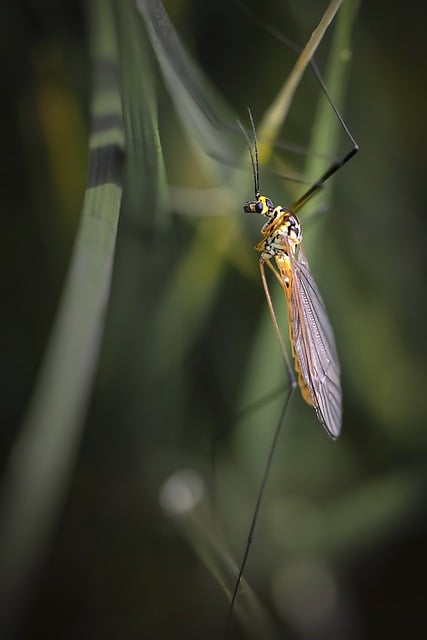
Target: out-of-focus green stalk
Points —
{"points": [[41, 460]]}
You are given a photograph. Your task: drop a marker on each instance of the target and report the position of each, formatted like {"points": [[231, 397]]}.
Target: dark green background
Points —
{"points": [[118, 568]]}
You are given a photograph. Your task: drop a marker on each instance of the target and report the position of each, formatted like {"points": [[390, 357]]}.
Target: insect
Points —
{"points": [[311, 334]]}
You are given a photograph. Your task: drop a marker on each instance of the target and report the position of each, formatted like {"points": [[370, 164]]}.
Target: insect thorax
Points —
{"points": [[282, 232]]}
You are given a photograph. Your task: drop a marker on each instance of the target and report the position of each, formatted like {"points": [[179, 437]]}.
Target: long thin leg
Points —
{"points": [[261, 402], [289, 370], [257, 506], [335, 166], [321, 181], [292, 386]]}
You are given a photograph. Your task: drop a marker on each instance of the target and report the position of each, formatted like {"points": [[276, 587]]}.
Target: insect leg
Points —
{"points": [[289, 369], [255, 513]]}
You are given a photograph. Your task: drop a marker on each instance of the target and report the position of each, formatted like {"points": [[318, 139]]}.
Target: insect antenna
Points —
{"points": [[253, 152], [255, 139]]}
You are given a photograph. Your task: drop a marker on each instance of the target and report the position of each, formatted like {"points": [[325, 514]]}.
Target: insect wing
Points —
{"points": [[314, 345]]}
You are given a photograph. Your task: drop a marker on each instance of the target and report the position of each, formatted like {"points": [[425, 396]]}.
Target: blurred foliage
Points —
{"points": [[188, 356]]}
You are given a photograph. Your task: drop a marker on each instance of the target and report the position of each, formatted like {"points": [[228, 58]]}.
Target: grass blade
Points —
{"points": [[276, 114], [38, 470], [200, 109]]}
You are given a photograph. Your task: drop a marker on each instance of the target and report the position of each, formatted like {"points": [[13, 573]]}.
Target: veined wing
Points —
{"points": [[314, 344]]}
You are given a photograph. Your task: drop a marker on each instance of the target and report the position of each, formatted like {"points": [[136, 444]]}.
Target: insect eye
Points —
{"points": [[269, 203], [259, 207]]}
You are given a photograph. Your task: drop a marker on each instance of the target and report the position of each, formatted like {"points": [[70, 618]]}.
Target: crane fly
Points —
{"points": [[311, 335]]}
